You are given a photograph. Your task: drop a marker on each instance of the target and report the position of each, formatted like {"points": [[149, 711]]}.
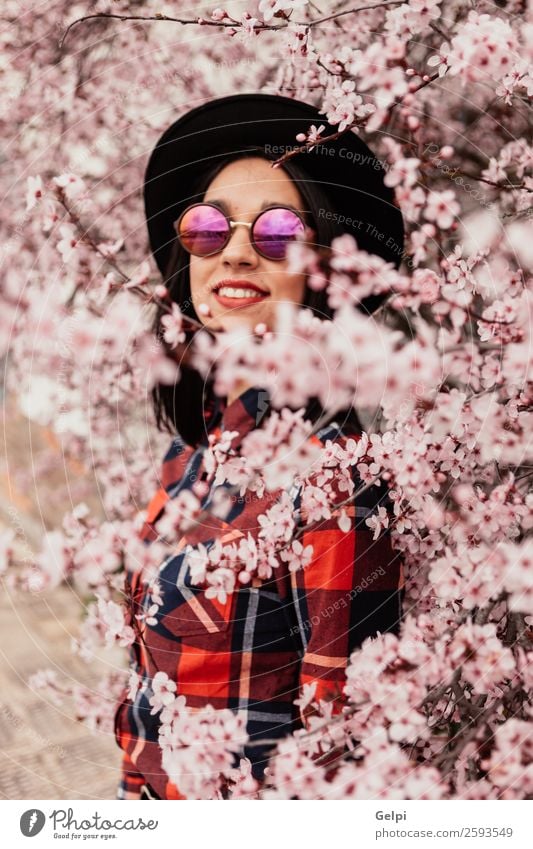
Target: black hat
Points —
{"points": [[346, 169]]}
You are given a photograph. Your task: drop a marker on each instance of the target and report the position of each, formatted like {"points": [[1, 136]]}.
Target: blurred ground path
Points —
{"points": [[44, 752]]}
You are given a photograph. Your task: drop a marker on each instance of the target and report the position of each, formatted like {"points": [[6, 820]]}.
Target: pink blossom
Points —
{"points": [[243, 784], [68, 243], [112, 618], [269, 8], [484, 660], [172, 323], [134, 682], [72, 185], [198, 560], [518, 576], [440, 377], [250, 24], [278, 521], [378, 521], [221, 584], [34, 191], [413, 17], [155, 366], [98, 556], [6, 549], [442, 208], [296, 555], [139, 557], [342, 105], [404, 171], [218, 14], [163, 689], [315, 503], [180, 514], [110, 249], [480, 50], [46, 681], [344, 522], [95, 706], [307, 696], [312, 135], [510, 765], [198, 748], [54, 559]]}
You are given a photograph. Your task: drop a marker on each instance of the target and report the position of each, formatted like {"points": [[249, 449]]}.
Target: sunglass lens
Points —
{"points": [[274, 229], [203, 230]]}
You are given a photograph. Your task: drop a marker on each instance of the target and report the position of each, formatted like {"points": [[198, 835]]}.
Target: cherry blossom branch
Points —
{"points": [[160, 17], [470, 312], [437, 693], [315, 142], [234, 489], [483, 613], [521, 213], [482, 392], [85, 236], [496, 185], [447, 758], [350, 710], [347, 713], [336, 15], [231, 23], [146, 297], [135, 622], [439, 31]]}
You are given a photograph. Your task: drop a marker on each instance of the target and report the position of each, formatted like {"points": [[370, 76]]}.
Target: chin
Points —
{"points": [[234, 321]]}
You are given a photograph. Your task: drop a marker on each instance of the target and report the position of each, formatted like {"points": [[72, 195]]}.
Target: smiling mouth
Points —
{"points": [[239, 296], [240, 292]]}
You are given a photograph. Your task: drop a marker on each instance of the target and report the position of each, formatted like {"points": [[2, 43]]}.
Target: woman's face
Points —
{"points": [[242, 188]]}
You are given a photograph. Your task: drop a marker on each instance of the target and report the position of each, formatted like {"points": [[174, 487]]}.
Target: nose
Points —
{"points": [[239, 250]]}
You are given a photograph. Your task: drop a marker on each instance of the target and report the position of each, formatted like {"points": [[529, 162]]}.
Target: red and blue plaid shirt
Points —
{"points": [[254, 652]]}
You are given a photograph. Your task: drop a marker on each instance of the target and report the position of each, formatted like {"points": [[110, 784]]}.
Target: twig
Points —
{"points": [[354, 125], [148, 297], [157, 17], [233, 24], [447, 758]]}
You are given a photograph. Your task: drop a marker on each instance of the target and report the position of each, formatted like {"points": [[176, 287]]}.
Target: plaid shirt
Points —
{"points": [[254, 652]]}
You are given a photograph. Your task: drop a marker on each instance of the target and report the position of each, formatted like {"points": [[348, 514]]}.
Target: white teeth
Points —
{"points": [[231, 292]]}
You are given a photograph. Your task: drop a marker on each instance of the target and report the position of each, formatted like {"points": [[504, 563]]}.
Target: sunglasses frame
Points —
{"points": [[232, 224]]}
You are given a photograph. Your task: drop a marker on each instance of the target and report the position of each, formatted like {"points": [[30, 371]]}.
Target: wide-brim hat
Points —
{"points": [[347, 170]]}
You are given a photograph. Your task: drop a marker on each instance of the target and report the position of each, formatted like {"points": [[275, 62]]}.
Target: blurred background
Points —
{"points": [[93, 107], [45, 752]]}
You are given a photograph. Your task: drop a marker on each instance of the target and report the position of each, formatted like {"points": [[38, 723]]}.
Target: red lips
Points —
{"points": [[239, 284]]}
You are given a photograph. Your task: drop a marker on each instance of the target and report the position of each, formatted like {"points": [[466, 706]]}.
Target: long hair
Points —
{"points": [[180, 408]]}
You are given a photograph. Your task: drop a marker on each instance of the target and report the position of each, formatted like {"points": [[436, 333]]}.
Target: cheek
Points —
{"points": [[199, 272], [291, 287]]}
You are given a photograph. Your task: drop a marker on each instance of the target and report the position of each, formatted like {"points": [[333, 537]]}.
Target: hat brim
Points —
{"points": [[346, 169]]}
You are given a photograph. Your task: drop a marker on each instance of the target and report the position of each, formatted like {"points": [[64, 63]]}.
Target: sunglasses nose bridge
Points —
{"points": [[233, 226]]}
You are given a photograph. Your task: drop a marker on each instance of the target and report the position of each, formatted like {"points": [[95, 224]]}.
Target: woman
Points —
{"points": [[219, 224]]}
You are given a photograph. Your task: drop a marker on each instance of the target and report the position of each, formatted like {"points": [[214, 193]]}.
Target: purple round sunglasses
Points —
{"points": [[204, 229]]}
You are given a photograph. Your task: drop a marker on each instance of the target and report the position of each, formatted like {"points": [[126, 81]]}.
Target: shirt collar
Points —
{"points": [[244, 413]]}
